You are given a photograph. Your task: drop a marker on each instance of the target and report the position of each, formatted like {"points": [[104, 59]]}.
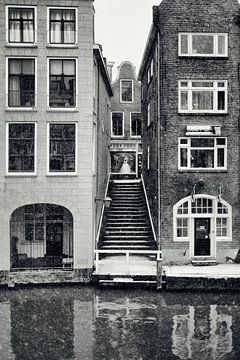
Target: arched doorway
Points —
{"points": [[41, 237], [202, 221]]}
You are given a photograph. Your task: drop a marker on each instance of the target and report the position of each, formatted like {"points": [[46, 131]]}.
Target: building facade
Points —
{"points": [[190, 105], [126, 123], [52, 107]]}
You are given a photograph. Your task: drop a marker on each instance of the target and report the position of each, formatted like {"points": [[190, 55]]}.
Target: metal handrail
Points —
{"points": [[102, 210], [149, 211]]}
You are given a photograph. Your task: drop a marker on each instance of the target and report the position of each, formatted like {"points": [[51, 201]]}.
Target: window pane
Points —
{"points": [[202, 44], [220, 158], [183, 158], [62, 148], [202, 142], [221, 141], [117, 124], [56, 67], [184, 100], [69, 67], [202, 100], [21, 148], [221, 100], [69, 15], [127, 90], [184, 44], [202, 158], [202, 84], [221, 44]]}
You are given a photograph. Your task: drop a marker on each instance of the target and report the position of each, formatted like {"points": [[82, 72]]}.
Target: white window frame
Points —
{"points": [[62, 109], [121, 100], [189, 148], [213, 216], [21, 108], [215, 89], [123, 127], [17, 174], [215, 45], [49, 44], [63, 173], [131, 135], [35, 26], [148, 114]]}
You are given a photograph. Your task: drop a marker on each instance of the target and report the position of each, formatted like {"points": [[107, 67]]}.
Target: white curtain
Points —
{"points": [[69, 27], [14, 26], [28, 26], [55, 27]]}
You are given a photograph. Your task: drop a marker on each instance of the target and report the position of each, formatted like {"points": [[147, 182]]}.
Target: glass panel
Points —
{"points": [[202, 142], [117, 124], [184, 100], [14, 14], [182, 227], [21, 148], [127, 90], [62, 148], [28, 67], [184, 141], [183, 209], [69, 67], [202, 158], [220, 158], [69, 15], [202, 100], [221, 100], [183, 158], [56, 14], [221, 84], [222, 209], [202, 206], [202, 44], [14, 66], [222, 227], [221, 44], [202, 84], [184, 44], [56, 67], [221, 141], [184, 84]]}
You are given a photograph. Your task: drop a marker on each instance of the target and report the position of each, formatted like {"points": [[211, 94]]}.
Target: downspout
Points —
{"points": [[159, 182]]}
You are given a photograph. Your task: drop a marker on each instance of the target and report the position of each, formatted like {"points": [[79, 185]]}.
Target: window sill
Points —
{"points": [[202, 113], [62, 109], [31, 109], [202, 171], [21, 45], [61, 174], [20, 175], [62, 46], [207, 57]]}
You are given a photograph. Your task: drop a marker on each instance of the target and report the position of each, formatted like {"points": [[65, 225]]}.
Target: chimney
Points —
{"points": [[109, 68]]}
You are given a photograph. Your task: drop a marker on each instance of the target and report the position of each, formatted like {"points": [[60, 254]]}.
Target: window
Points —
{"points": [[62, 83], [148, 157], [136, 125], [21, 83], [150, 71], [203, 153], [21, 25], [203, 44], [202, 206], [62, 148], [21, 148], [117, 124], [62, 26], [206, 96], [126, 91]]}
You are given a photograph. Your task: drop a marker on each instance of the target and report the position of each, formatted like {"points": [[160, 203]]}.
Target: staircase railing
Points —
{"points": [[102, 211], [149, 211]]}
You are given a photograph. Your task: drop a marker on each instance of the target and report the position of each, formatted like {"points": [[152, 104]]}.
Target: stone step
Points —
{"points": [[122, 247], [127, 227]]}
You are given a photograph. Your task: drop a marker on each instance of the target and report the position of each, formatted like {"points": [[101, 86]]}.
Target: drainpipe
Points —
{"points": [[159, 138]]}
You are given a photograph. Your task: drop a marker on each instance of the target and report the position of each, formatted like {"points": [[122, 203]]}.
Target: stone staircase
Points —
{"points": [[126, 225]]}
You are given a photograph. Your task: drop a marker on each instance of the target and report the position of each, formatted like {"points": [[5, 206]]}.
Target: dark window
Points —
{"points": [[21, 83], [136, 124], [62, 83], [62, 26], [126, 91], [117, 124], [21, 148], [62, 148], [21, 25]]}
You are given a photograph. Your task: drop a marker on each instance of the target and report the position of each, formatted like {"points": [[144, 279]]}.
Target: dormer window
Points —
{"points": [[203, 44]]}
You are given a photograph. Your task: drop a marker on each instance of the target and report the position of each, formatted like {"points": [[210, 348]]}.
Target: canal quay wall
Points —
{"points": [[181, 278]]}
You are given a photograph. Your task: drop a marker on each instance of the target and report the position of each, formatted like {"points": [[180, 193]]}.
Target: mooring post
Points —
{"points": [[159, 270]]}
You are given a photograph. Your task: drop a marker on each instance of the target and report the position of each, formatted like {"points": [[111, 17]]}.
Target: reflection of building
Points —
{"points": [[202, 332], [126, 122], [55, 113], [190, 113]]}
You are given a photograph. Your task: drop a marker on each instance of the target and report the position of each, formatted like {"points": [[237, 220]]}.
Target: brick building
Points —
{"points": [[190, 105], [126, 122], [55, 102]]}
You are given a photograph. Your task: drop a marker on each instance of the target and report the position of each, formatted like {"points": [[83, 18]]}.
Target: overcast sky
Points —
{"points": [[122, 27]]}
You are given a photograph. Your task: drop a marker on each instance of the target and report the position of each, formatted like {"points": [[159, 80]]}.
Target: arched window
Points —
{"points": [[202, 206], [41, 236]]}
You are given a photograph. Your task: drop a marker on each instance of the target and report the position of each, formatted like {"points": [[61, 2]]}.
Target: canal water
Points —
{"points": [[58, 323]]}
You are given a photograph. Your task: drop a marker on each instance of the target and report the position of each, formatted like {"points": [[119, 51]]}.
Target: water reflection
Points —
{"points": [[85, 323]]}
